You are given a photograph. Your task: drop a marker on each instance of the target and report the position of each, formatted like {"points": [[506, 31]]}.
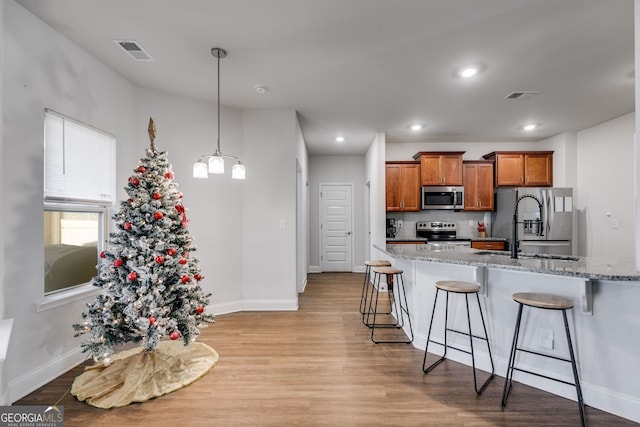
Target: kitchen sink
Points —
{"points": [[529, 256]]}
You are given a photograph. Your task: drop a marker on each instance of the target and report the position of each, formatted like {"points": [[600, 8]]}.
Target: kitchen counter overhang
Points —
{"points": [[581, 267]]}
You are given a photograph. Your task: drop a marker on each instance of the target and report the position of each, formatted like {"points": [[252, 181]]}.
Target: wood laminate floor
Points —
{"points": [[318, 366]]}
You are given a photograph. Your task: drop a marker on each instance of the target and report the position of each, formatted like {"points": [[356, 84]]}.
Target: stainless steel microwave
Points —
{"points": [[451, 198]]}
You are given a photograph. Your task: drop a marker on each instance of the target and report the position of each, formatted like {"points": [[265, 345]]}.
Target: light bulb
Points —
{"points": [[216, 164], [238, 171]]}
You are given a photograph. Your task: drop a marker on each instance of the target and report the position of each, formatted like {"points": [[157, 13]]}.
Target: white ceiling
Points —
{"points": [[357, 67]]}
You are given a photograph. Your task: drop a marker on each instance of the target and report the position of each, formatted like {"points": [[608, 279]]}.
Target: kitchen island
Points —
{"points": [[605, 321]]}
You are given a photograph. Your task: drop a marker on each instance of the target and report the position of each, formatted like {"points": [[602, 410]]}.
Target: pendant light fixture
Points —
{"points": [[214, 163]]}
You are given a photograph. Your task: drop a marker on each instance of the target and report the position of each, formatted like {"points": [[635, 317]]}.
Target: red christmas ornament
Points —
{"points": [[157, 196], [132, 276], [152, 321], [200, 310], [142, 169], [168, 175], [118, 262], [159, 259], [180, 208], [158, 215], [135, 182], [127, 226], [130, 200], [174, 335], [197, 277], [180, 195], [185, 279], [172, 251], [182, 261], [103, 255]]}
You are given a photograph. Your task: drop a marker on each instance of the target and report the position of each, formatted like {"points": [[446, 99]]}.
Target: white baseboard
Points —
{"points": [[359, 269], [315, 269], [255, 305], [33, 380]]}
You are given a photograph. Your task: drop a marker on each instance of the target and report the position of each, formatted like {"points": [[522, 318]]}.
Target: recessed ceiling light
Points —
{"points": [[261, 89], [530, 126], [340, 139], [469, 71], [416, 127]]}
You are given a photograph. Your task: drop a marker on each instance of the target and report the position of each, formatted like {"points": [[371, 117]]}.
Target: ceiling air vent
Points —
{"points": [[523, 94], [134, 50]]}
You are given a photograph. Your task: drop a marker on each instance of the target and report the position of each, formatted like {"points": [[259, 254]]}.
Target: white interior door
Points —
{"points": [[336, 240]]}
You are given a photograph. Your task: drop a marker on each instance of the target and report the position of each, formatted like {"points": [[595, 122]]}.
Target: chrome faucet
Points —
{"points": [[514, 230]]}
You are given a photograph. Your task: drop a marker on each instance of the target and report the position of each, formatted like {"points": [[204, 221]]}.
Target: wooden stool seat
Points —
{"points": [[458, 286], [548, 301], [377, 263], [387, 270]]}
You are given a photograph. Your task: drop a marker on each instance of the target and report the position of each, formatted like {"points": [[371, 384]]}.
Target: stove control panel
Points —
{"points": [[436, 225]]}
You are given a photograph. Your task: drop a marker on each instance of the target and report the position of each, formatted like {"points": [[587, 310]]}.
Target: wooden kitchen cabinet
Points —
{"points": [[402, 186], [491, 245], [478, 185], [522, 168], [440, 168]]}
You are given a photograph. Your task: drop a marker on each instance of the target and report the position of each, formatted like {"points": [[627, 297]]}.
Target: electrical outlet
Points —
{"points": [[615, 224], [283, 224], [546, 339]]}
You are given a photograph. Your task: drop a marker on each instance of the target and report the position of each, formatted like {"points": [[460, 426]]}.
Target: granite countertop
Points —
{"points": [[586, 267]]}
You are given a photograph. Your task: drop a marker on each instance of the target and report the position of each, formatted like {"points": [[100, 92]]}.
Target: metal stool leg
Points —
{"points": [[473, 357], [406, 308], [575, 369], [365, 289], [437, 362], [396, 302], [512, 357]]}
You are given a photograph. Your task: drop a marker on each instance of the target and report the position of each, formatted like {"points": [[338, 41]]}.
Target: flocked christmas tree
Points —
{"points": [[148, 272]]}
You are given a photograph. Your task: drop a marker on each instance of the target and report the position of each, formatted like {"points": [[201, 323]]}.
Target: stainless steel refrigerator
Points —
{"points": [[544, 218]]}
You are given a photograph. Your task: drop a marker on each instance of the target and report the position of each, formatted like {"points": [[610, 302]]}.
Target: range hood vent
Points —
{"points": [[134, 50], [523, 94]]}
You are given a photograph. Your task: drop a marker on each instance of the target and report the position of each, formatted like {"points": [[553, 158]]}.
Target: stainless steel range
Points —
{"points": [[440, 232]]}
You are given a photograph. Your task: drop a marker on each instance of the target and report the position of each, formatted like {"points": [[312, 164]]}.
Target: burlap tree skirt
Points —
{"points": [[138, 375]]}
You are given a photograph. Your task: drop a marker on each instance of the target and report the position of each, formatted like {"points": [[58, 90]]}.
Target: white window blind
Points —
{"points": [[79, 161]]}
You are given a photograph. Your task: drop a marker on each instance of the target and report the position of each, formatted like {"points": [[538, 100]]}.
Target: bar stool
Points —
{"points": [[365, 284], [395, 285], [545, 302], [465, 288]]}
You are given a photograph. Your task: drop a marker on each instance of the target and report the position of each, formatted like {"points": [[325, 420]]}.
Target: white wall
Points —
{"points": [[302, 210], [605, 187], [42, 70], [336, 169], [375, 176], [269, 198]]}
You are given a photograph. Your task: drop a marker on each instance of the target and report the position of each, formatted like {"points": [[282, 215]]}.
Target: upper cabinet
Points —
{"points": [[440, 168], [478, 185], [403, 186], [522, 168]]}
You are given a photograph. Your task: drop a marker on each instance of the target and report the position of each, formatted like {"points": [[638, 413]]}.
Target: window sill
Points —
{"points": [[65, 297]]}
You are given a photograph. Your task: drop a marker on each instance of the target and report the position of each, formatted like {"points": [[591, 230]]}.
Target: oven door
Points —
{"points": [[451, 198]]}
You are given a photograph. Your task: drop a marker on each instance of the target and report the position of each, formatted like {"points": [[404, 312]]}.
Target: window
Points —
{"points": [[79, 188]]}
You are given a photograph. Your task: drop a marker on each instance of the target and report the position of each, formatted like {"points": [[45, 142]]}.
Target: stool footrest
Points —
{"points": [[544, 376], [544, 355]]}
